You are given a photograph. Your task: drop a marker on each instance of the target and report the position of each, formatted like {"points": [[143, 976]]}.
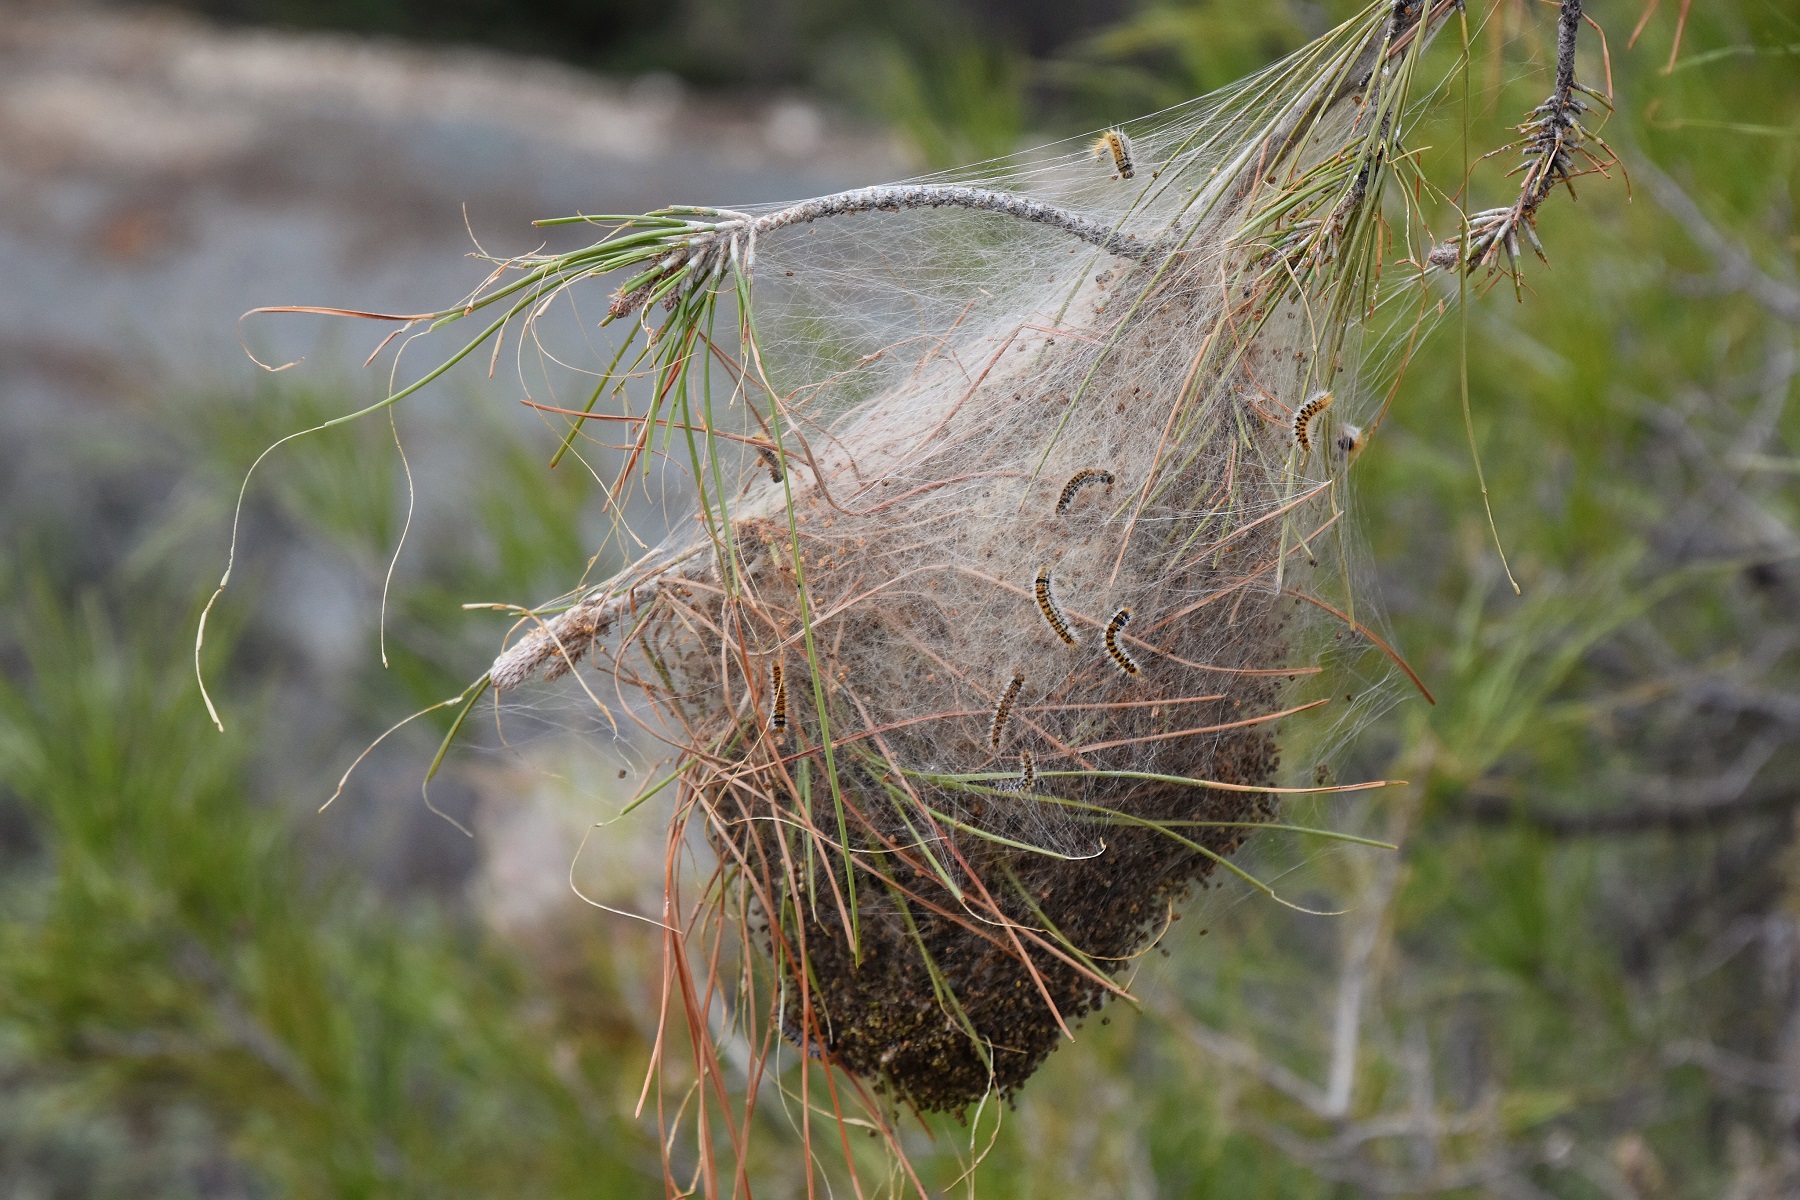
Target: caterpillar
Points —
{"points": [[1047, 605], [1350, 442], [778, 708], [1125, 662], [1114, 142], [1090, 475], [1003, 711], [770, 461], [1304, 417], [1027, 775]]}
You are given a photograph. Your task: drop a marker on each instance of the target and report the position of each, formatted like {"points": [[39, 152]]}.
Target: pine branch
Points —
{"points": [[731, 236], [1554, 151]]}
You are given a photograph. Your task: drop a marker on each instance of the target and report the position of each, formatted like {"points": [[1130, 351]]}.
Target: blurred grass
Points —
{"points": [[198, 992], [173, 950], [958, 99], [196, 998]]}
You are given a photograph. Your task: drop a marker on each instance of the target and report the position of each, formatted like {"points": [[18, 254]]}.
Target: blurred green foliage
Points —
{"points": [[1570, 987], [958, 102], [188, 994]]}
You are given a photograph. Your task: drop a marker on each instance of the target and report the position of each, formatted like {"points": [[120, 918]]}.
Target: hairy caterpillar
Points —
{"points": [[778, 708], [1090, 475], [1304, 418], [1047, 605], [1003, 711], [770, 461], [1114, 142], [1125, 662], [1350, 442], [1027, 775]]}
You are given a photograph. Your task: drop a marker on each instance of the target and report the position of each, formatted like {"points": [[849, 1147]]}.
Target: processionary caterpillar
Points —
{"points": [[1027, 775], [1304, 418], [1003, 711], [1125, 662], [1047, 605], [1115, 143], [1350, 442], [770, 461], [1090, 475], [778, 709]]}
